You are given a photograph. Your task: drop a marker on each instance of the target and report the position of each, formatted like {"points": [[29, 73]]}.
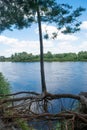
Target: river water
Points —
{"points": [[61, 77]]}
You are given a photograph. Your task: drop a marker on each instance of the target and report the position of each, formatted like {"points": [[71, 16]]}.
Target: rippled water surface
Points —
{"points": [[61, 77]]}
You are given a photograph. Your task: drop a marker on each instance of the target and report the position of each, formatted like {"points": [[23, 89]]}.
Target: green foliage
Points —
{"points": [[66, 57], [21, 57], [61, 125], [2, 58], [25, 57], [4, 85], [82, 55], [23, 124], [19, 14], [48, 55]]}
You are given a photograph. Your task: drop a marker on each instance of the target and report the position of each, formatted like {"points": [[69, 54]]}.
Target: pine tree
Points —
{"points": [[23, 13]]}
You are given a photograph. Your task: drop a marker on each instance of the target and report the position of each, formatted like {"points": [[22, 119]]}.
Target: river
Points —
{"points": [[61, 77]]}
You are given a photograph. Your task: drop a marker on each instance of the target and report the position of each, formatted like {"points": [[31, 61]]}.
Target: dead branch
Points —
{"points": [[39, 97], [57, 96], [48, 116], [18, 93]]}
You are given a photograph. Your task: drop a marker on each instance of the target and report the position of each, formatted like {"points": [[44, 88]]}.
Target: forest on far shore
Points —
{"points": [[29, 57]]}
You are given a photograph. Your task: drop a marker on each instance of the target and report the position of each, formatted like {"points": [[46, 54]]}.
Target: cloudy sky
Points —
{"points": [[27, 39]]}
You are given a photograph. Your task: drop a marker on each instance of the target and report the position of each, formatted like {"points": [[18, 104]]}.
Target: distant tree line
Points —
{"points": [[29, 57]]}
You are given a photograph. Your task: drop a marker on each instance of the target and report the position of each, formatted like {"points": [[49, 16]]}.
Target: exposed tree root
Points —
{"points": [[36, 107]]}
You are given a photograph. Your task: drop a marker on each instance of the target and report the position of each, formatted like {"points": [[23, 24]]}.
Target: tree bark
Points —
{"points": [[43, 83]]}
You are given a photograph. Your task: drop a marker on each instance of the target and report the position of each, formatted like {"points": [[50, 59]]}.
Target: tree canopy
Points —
{"points": [[29, 57], [19, 14]]}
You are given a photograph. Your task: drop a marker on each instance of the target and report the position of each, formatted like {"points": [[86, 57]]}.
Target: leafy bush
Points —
{"points": [[23, 124], [4, 85]]}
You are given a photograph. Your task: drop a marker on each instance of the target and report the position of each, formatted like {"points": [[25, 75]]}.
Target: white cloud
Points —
{"points": [[27, 46], [12, 45], [83, 46], [84, 25], [67, 37], [63, 43], [51, 29], [16, 45], [7, 40]]}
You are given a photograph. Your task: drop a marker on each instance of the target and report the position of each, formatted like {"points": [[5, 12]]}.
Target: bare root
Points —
{"points": [[35, 107]]}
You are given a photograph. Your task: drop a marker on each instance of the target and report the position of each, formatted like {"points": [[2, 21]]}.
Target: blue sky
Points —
{"points": [[27, 39]]}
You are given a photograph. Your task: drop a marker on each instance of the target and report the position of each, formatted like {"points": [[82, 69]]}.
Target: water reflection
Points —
{"points": [[61, 77]]}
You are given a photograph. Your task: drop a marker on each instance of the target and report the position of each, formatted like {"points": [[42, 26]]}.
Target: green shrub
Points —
{"points": [[24, 125], [4, 85]]}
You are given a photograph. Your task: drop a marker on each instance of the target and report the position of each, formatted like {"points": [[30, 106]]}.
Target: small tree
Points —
{"points": [[4, 85], [23, 13]]}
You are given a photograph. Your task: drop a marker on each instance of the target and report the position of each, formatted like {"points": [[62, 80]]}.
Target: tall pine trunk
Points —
{"points": [[43, 83]]}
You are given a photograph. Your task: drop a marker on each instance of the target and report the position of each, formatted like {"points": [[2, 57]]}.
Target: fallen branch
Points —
{"points": [[39, 97]]}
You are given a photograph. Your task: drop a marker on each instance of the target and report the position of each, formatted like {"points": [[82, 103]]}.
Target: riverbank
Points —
{"points": [[49, 57]]}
